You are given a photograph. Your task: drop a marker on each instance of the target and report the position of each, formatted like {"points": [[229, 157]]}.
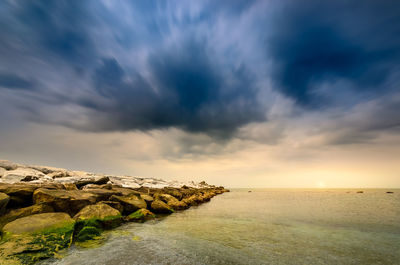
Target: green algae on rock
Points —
{"points": [[100, 215], [36, 237], [140, 215], [88, 233]]}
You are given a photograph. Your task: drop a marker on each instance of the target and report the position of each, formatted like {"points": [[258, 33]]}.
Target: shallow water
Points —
{"points": [[269, 226]]}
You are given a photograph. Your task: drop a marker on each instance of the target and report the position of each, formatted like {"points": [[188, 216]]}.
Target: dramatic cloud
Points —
{"points": [[314, 43], [183, 82]]}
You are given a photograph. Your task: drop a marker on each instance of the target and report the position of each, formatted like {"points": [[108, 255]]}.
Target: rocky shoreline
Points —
{"points": [[45, 209]]}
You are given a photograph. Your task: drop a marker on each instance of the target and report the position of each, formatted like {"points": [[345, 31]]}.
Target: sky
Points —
{"points": [[279, 93]]}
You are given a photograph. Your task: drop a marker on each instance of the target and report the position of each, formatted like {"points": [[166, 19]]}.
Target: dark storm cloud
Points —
{"points": [[57, 26], [189, 92], [13, 81], [317, 42], [201, 66]]}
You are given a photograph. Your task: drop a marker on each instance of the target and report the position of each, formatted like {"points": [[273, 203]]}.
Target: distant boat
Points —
{"points": [[389, 192], [249, 191], [360, 191]]}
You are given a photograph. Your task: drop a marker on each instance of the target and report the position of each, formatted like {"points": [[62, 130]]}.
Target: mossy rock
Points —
{"points": [[36, 237], [100, 215], [158, 206], [88, 233], [140, 215]]}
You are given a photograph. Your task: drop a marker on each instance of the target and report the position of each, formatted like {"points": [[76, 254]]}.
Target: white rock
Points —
{"points": [[2, 171], [22, 174], [8, 165]]}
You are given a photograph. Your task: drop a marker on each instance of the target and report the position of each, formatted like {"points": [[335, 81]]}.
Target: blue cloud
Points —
{"points": [[316, 43], [13, 81]]}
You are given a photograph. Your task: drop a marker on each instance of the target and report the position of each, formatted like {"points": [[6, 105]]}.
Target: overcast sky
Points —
{"points": [[279, 93]]}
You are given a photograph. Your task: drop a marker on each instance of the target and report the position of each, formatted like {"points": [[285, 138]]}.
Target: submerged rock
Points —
{"points": [[30, 239]]}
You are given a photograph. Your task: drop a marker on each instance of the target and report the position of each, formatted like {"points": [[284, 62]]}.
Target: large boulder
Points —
{"points": [[172, 202], [93, 219], [69, 201], [130, 203], [33, 238], [23, 212], [22, 174], [158, 206], [20, 194], [4, 199], [99, 211]]}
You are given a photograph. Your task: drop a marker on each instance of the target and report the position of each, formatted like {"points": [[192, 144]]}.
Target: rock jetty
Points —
{"points": [[46, 209]]}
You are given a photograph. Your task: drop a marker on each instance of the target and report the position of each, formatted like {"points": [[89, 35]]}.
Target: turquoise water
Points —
{"points": [[272, 226]]}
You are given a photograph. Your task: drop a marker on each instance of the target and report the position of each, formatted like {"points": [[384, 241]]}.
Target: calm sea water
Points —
{"points": [[269, 226]]}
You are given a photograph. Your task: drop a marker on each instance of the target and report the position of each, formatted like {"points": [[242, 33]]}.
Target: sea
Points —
{"points": [[260, 226]]}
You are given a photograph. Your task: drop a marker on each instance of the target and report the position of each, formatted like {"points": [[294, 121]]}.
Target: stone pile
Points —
{"points": [[45, 209]]}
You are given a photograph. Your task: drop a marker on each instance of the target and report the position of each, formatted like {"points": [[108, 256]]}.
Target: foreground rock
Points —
{"points": [[37, 203], [36, 237], [23, 212]]}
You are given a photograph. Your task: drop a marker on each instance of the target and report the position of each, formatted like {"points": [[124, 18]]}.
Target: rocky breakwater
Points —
{"points": [[46, 209]]}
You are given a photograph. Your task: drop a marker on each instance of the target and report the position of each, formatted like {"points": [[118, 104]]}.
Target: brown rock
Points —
{"points": [[98, 211], [99, 180], [125, 191], [4, 199], [148, 199], [130, 203], [174, 192], [70, 186], [22, 212], [69, 201], [114, 204], [140, 215], [172, 202], [103, 194], [96, 186], [20, 194], [158, 206]]}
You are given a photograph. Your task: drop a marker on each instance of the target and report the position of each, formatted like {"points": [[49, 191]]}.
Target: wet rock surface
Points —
{"points": [[45, 209]]}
